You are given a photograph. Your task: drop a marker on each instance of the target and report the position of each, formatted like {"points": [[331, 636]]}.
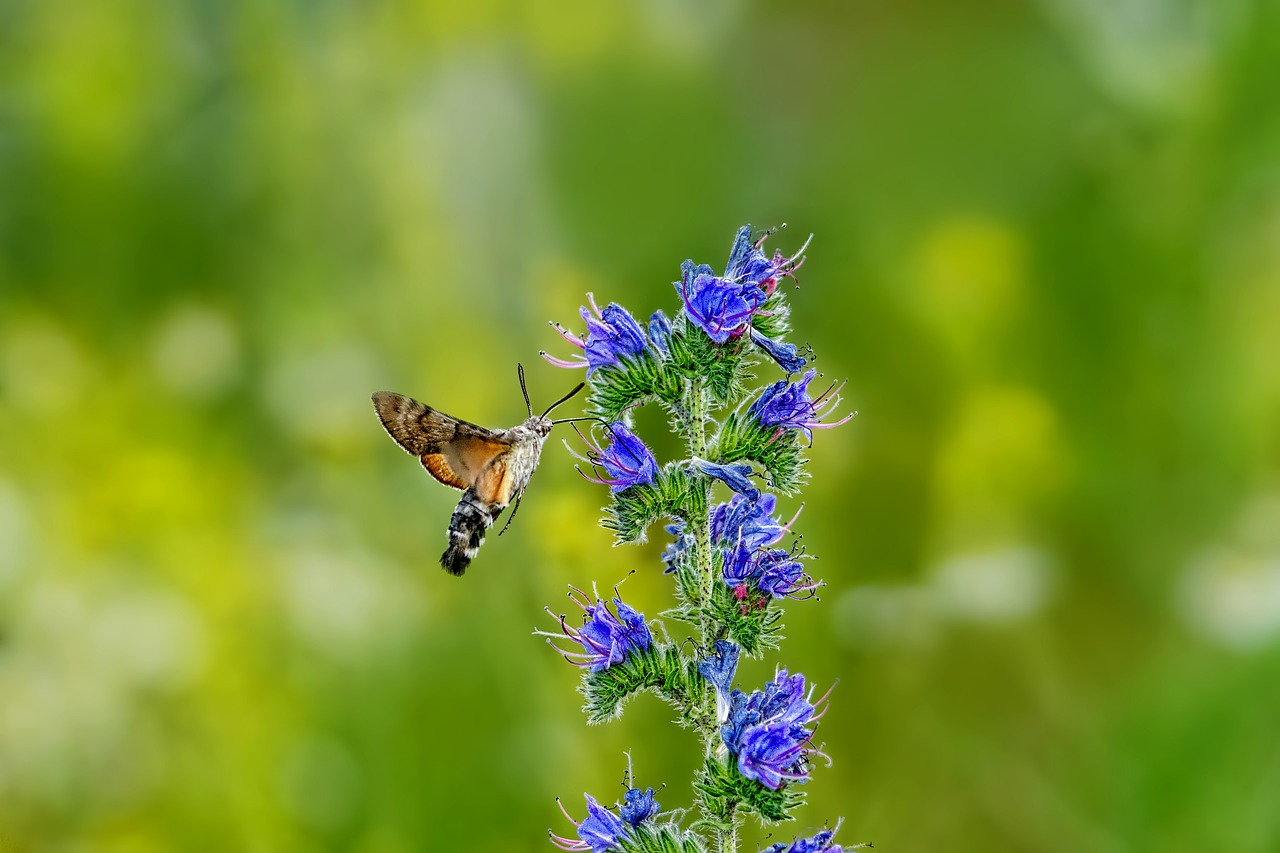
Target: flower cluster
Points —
{"points": [[732, 577], [767, 731], [787, 405], [625, 459], [607, 637], [823, 842], [601, 830]]}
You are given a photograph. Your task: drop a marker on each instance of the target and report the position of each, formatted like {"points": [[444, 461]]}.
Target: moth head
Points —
{"points": [[541, 424]]}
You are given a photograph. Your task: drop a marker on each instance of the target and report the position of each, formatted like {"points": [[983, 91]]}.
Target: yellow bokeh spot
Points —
{"points": [[1003, 452]]}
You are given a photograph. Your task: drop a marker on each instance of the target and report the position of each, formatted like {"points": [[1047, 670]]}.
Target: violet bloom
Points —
{"points": [[740, 566], [626, 460], [612, 336], [675, 552], [787, 405], [638, 806], [823, 842], [606, 637], [600, 831], [768, 731], [772, 755], [736, 477], [720, 307], [660, 332], [750, 523], [718, 669], [786, 355], [780, 575], [748, 262]]}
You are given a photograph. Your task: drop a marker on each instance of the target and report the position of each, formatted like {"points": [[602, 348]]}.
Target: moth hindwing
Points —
{"points": [[491, 467]]}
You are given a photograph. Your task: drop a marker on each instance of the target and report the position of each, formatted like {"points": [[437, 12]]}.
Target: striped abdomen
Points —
{"points": [[471, 519]]}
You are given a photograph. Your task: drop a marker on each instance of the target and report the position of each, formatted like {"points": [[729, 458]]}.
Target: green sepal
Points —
{"points": [[672, 494], [750, 622], [662, 838], [742, 438], [632, 381], [660, 669], [721, 366], [773, 318], [721, 788]]}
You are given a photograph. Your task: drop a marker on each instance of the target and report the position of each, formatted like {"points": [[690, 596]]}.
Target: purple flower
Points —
{"points": [[736, 477], [772, 755], [606, 637], [626, 460], [599, 832], [750, 523], [612, 335], [720, 307], [660, 332], [740, 566], [786, 405], [781, 575], [638, 806], [787, 355], [768, 731], [748, 262], [820, 843], [720, 666], [674, 553]]}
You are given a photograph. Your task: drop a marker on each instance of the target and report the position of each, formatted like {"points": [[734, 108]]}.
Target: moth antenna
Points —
{"points": [[523, 389], [586, 418], [563, 399]]}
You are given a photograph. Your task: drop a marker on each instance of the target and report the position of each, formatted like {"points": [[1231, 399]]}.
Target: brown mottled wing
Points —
{"points": [[452, 450]]}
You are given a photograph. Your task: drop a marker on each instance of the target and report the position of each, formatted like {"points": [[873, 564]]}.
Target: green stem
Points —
{"points": [[694, 415]]}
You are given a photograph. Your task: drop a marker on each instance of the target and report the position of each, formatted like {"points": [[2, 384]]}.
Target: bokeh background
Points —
{"points": [[1046, 258]]}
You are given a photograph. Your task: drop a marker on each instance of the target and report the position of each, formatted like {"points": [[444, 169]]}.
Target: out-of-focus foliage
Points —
{"points": [[1045, 256]]}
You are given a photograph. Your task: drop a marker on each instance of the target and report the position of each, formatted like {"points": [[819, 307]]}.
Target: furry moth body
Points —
{"points": [[491, 467]]}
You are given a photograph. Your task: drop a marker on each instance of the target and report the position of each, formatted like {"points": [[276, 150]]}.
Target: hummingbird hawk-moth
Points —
{"points": [[492, 467]]}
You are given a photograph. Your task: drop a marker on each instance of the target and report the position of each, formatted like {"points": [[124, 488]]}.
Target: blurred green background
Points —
{"points": [[1047, 258]]}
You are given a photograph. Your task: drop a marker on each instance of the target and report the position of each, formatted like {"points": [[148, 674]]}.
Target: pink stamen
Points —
{"points": [[563, 362]]}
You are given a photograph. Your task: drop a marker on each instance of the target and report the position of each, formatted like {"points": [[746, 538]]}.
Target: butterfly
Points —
{"points": [[492, 467]]}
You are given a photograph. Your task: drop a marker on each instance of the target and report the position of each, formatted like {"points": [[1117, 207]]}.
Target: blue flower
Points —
{"points": [[746, 522], [748, 262], [606, 637], [719, 667], [720, 307], [780, 574], [600, 831], [823, 842], [675, 552], [612, 336], [639, 806], [787, 405], [626, 460], [660, 332], [772, 755], [736, 477], [740, 566], [767, 730], [786, 355]]}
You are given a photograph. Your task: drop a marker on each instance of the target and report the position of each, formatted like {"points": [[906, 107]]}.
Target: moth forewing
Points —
{"points": [[491, 466]]}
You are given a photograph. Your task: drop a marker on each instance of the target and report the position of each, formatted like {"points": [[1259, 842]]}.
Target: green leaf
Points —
{"points": [[743, 439], [721, 788], [750, 622], [661, 670], [662, 838], [673, 494], [632, 382]]}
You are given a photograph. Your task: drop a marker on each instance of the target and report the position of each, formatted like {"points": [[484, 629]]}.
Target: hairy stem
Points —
{"points": [[696, 413]]}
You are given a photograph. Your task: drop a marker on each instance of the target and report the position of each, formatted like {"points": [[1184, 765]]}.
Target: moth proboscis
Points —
{"points": [[491, 467]]}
